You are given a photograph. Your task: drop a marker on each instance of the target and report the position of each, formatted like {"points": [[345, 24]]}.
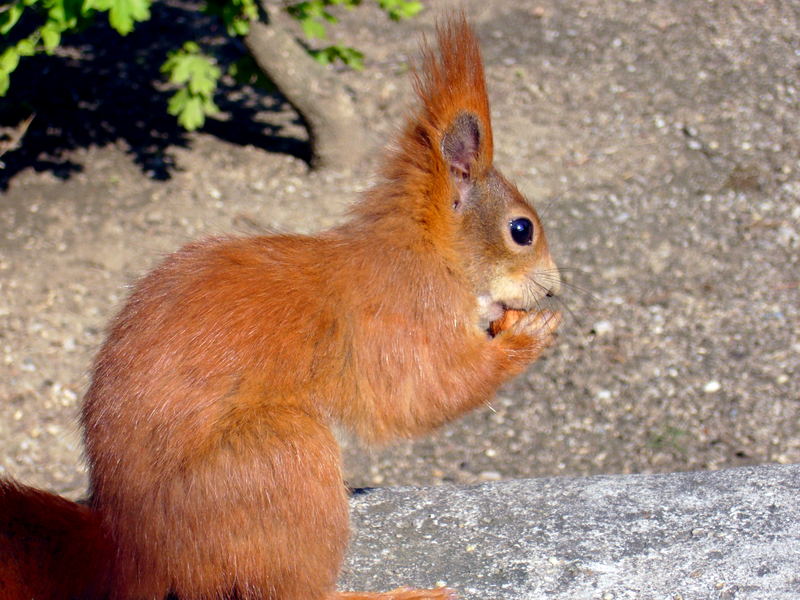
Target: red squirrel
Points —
{"points": [[214, 472]]}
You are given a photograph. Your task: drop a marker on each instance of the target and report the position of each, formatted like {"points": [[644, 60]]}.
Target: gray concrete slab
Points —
{"points": [[732, 534]]}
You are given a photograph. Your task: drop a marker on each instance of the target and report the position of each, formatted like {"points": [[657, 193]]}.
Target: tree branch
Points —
{"points": [[335, 128]]}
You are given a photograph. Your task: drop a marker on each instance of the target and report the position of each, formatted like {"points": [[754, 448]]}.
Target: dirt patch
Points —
{"points": [[661, 147]]}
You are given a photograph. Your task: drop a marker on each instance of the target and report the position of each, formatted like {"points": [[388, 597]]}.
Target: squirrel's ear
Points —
{"points": [[461, 148]]}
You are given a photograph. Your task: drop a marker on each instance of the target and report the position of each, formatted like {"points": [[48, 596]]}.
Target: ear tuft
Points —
{"points": [[446, 146], [461, 145]]}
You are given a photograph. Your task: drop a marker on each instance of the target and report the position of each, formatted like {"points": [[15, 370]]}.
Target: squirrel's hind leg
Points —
{"points": [[260, 514]]}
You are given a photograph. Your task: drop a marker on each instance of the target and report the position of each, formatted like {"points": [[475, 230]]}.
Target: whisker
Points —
{"points": [[563, 270], [543, 206], [565, 306], [560, 301], [581, 290], [573, 286], [550, 275]]}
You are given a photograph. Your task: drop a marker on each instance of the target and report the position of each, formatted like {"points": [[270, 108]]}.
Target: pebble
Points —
{"points": [[490, 476], [602, 328], [712, 387]]}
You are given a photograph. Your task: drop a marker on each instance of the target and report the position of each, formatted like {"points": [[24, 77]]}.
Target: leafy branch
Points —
{"points": [[196, 76], [193, 72]]}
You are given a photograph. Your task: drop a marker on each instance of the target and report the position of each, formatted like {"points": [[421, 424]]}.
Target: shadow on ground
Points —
{"points": [[102, 88]]}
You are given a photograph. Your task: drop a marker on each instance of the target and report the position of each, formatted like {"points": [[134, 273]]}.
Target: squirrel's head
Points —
{"points": [[442, 174], [499, 236]]}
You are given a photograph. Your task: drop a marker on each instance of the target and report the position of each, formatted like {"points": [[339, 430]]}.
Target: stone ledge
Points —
{"points": [[732, 534]]}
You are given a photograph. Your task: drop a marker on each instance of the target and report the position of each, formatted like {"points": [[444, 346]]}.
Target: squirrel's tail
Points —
{"points": [[50, 548]]}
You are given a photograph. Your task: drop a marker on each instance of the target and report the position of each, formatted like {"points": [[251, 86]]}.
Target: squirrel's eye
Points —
{"points": [[521, 231]]}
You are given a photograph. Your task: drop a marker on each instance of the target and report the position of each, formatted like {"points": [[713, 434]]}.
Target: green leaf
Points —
{"points": [[178, 63], [10, 17], [27, 46], [56, 13], [180, 71], [239, 27], [313, 29], [352, 58], [349, 56], [298, 10], [203, 77], [249, 9], [188, 65], [192, 116], [191, 47], [9, 60], [197, 75], [101, 5], [322, 56], [124, 13], [178, 102], [209, 107], [64, 14], [236, 14], [400, 9], [315, 9], [51, 36], [73, 12], [189, 109]]}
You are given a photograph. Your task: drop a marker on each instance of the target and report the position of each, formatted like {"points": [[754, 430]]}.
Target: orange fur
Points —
{"points": [[214, 472], [50, 548]]}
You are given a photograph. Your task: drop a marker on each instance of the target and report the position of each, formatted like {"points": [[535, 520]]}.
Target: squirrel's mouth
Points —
{"points": [[493, 313], [490, 309], [506, 321], [495, 310]]}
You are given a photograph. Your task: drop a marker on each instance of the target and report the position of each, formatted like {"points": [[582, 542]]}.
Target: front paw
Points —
{"points": [[506, 321], [533, 331], [540, 325]]}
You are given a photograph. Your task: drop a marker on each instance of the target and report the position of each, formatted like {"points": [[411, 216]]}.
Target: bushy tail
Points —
{"points": [[50, 548]]}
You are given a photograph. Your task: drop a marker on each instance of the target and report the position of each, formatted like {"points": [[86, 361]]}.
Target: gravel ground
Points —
{"points": [[660, 142]]}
